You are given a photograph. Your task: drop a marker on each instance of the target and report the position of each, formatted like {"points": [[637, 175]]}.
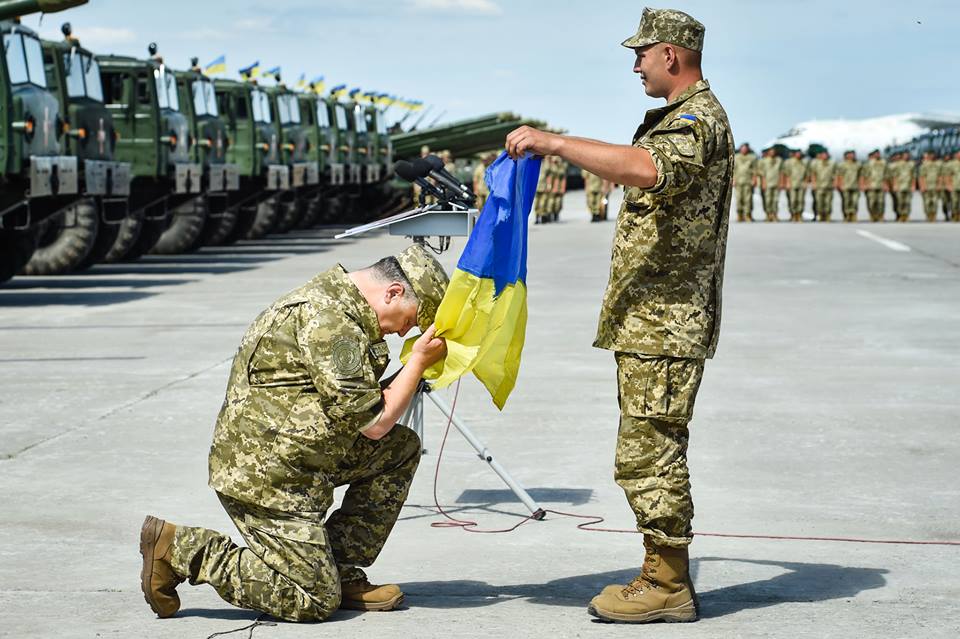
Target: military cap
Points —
{"points": [[667, 25], [428, 279]]}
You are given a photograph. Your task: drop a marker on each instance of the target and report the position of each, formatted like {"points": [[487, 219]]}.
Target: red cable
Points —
{"points": [[590, 526]]}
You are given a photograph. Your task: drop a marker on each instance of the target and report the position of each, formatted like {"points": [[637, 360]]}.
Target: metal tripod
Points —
{"points": [[413, 419]]}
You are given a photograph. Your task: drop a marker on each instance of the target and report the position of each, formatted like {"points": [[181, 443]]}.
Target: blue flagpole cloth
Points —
{"points": [[483, 315]]}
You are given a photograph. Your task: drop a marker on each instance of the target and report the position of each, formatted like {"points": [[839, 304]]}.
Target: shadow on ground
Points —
{"points": [[800, 582]]}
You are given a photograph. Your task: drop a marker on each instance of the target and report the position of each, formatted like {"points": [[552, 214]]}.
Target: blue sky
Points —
{"points": [[773, 63]]}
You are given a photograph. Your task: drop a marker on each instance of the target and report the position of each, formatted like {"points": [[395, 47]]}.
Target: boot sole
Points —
{"points": [[149, 534], [384, 606], [681, 614]]}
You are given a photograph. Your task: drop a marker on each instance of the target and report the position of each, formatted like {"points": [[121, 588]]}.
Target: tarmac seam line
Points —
{"points": [[115, 410], [893, 245]]}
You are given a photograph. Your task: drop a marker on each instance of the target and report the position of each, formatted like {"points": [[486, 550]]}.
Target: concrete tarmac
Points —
{"points": [[830, 410]]}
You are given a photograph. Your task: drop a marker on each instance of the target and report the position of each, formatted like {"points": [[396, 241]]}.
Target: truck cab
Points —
{"points": [[198, 102], [255, 150], [293, 137], [381, 149]]}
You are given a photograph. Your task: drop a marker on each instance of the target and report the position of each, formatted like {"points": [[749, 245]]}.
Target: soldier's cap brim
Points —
{"points": [[636, 42]]}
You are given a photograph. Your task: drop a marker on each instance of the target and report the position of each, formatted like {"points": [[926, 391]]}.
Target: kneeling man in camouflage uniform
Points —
{"points": [[661, 311], [305, 413]]}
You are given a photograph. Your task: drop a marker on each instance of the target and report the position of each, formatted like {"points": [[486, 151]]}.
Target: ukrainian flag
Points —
{"points": [[483, 315], [302, 82], [248, 73], [318, 85], [217, 66], [272, 73], [339, 91]]}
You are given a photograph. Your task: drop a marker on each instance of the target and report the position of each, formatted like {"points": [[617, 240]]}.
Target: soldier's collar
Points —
{"points": [[696, 87], [359, 307]]}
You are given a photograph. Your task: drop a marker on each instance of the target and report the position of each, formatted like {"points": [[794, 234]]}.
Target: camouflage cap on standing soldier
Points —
{"points": [[667, 25], [428, 279]]}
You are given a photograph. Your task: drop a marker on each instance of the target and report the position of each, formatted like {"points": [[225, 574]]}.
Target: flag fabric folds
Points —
{"points": [[216, 66], [483, 315], [250, 72]]}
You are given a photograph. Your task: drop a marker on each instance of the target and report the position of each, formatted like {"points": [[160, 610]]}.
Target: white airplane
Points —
{"points": [[865, 135]]}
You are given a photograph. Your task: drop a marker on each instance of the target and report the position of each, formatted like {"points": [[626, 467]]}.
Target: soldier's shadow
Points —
{"points": [[801, 582]]}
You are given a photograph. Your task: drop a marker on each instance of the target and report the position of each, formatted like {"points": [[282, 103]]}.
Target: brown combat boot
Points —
{"points": [[363, 595], [157, 579], [662, 591]]}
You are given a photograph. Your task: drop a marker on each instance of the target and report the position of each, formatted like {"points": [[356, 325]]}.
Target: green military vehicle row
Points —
{"points": [[110, 157]]}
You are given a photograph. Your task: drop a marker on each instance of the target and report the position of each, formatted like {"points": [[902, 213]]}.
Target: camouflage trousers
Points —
{"points": [[930, 201], [594, 202], [293, 563], [901, 204], [771, 201], [656, 396], [481, 200], [875, 204], [823, 204], [744, 202], [795, 197], [850, 200], [947, 203], [540, 204], [955, 206]]}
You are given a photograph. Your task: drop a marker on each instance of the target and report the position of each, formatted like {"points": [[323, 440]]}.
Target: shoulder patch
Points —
{"points": [[687, 116], [346, 356]]}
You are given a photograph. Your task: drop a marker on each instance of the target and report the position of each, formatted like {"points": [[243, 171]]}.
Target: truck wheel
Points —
{"points": [[16, 247], [290, 214], [218, 230], [61, 248], [246, 216], [128, 232], [107, 235], [184, 230], [267, 213], [313, 210]]}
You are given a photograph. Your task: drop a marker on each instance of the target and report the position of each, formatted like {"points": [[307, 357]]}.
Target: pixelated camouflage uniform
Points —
{"points": [[794, 173], [873, 173], [544, 187], [593, 186], [481, 190], [928, 179], [303, 386], [901, 175], [822, 177], [951, 187], [744, 174], [847, 174], [661, 309], [768, 170]]}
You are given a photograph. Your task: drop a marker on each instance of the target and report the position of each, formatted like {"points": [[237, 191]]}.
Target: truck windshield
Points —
{"points": [[261, 107], [323, 117], [359, 119], [83, 76], [341, 117], [204, 98], [166, 89], [289, 109], [24, 59]]}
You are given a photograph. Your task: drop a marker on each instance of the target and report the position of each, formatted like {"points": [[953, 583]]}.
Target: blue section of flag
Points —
{"points": [[497, 248], [687, 116]]}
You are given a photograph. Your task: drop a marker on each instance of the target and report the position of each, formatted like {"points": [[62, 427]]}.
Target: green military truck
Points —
{"points": [[154, 136], [38, 179], [82, 234]]}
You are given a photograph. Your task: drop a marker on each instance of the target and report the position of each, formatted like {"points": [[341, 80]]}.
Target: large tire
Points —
{"points": [[107, 236], [16, 247], [61, 248], [218, 230], [184, 230], [267, 213], [246, 216], [128, 232], [313, 211], [290, 214]]}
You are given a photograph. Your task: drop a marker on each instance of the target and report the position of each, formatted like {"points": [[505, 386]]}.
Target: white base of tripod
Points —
{"points": [[413, 419]]}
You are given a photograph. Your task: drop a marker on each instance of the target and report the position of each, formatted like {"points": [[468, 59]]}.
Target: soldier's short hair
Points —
{"points": [[388, 270]]}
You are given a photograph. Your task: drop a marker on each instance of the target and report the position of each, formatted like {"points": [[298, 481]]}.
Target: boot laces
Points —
{"points": [[645, 580]]}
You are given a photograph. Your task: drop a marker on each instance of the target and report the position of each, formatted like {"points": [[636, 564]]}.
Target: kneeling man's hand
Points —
{"points": [[428, 348]]}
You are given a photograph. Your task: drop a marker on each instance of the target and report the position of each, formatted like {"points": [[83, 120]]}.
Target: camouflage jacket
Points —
{"points": [[666, 271], [591, 183], [848, 174], [794, 171], [929, 174], [900, 174], [768, 170], [744, 169], [479, 179], [951, 174], [873, 173], [303, 385], [822, 173]]}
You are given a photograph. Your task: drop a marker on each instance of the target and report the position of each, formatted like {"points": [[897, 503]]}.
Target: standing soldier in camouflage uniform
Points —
{"points": [[821, 183], [848, 183], [902, 182], [480, 188], [951, 185], [661, 310], [305, 413], [744, 180], [794, 175], [768, 170], [559, 188], [596, 190], [544, 187], [928, 182], [874, 185]]}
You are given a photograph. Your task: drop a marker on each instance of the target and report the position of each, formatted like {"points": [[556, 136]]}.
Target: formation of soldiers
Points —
{"points": [[550, 189], [936, 179]]}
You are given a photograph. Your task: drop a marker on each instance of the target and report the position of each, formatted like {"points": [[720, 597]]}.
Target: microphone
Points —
{"points": [[451, 186], [442, 175], [408, 172]]}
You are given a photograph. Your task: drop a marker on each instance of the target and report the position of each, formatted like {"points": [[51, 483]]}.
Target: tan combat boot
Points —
{"points": [[662, 591], [157, 579], [363, 595]]}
